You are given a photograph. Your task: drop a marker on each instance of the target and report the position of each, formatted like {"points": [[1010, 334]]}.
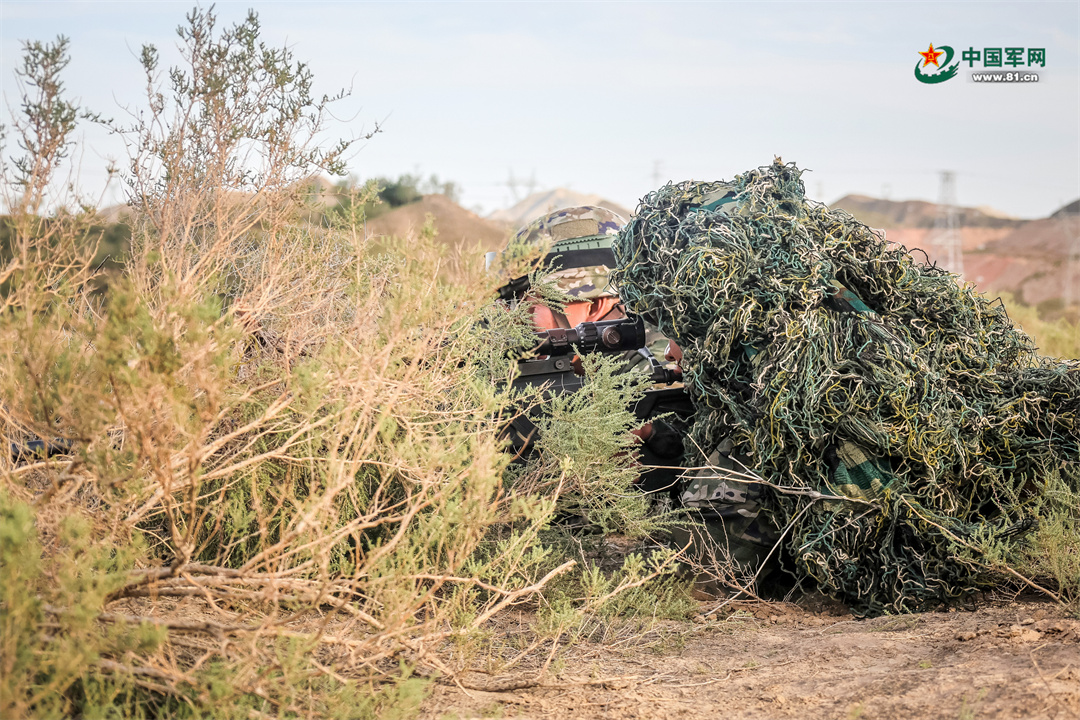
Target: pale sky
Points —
{"points": [[606, 97]]}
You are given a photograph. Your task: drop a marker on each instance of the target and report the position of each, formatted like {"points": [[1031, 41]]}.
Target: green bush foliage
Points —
{"points": [[370, 199]]}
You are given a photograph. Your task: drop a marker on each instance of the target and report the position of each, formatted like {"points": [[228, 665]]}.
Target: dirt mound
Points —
{"points": [[1051, 238], [456, 226], [1029, 261]]}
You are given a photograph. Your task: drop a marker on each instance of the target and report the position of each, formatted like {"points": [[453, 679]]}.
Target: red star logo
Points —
{"points": [[931, 56]]}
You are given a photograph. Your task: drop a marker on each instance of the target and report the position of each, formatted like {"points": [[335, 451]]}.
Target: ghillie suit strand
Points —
{"points": [[843, 368]]}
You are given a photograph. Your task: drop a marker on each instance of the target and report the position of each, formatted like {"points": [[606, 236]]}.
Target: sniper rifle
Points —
{"points": [[38, 449], [550, 368]]}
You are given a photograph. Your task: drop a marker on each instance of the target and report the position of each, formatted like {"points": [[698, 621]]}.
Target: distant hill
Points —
{"points": [[1027, 258], [541, 203], [879, 213], [113, 214], [1072, 208], [456, 226]]}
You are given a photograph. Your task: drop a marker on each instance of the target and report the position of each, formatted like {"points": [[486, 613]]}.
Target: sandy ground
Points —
{"points": [[1006, 659]]}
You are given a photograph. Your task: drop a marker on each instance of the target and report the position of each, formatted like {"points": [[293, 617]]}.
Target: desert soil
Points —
{"points": [[1016, 658]]}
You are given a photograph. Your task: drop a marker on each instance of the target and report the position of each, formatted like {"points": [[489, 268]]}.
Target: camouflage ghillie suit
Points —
{"points": [[909, 432]]}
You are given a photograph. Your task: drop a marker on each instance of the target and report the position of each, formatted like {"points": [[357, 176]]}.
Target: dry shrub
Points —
{"points": [[1058, 337], [272, 480]]}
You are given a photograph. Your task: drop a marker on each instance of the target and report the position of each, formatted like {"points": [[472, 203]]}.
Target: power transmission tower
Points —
{"points": [[945, 236], [657, 173], [521, 188]]}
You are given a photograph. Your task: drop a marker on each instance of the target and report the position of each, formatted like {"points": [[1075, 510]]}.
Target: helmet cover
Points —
{"points": [[565, 230]]}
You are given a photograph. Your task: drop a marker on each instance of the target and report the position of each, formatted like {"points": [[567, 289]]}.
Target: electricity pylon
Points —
{"points": [[946, 236]]}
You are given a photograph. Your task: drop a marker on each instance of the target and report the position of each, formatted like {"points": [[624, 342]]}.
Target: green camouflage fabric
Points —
{"points": [[856, 474], [564, 231], [716, 197], [732, 526]]}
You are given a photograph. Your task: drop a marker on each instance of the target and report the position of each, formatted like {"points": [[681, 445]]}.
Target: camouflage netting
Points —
{"points": [[840, 367]]}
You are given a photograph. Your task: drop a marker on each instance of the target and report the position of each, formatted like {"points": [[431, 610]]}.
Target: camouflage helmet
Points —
{"points": [[580, 247]]}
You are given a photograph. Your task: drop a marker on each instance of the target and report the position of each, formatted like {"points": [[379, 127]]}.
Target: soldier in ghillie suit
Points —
{"points": [[899, 427], [578, 262], [725, 528]]}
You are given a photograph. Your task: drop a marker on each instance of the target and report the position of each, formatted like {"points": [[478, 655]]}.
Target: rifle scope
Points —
{"points": [[587, 337]]}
